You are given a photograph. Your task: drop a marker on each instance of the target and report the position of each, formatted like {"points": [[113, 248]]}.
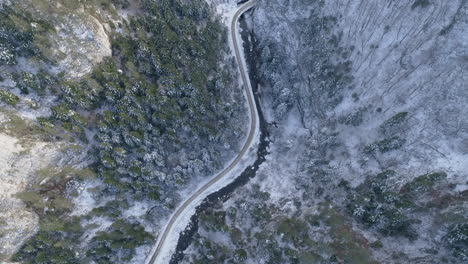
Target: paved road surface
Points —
{"points": [[253, 128]]}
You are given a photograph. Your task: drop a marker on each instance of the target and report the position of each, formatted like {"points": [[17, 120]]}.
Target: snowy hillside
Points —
{"points": [[369, 154]]}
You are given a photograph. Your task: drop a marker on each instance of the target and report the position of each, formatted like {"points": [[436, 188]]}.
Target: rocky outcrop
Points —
{"points": [[17, 167], [80, 43]]}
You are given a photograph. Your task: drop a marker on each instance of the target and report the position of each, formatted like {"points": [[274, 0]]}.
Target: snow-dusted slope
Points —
{"points": [[168, 237], [369, 100]]}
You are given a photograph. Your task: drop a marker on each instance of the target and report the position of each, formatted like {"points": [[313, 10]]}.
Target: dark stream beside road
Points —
{"points": [[186, 237]]}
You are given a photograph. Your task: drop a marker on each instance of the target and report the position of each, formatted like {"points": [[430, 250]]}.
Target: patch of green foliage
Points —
{"points": [[240, 255], [111, 209], [393, 124], [376, 244], [282, 239], [46, 194], [457, 240], [160, 91], [293, 229], [39, 83], [54, 243], [161, 85], [20, 35], [118, 243], [8, 98], [56, 240], [385, 145], [346, 244], [27, 131], [376, 205], [423, 183]]}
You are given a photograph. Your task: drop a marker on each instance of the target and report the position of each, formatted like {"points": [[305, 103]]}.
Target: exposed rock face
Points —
{"points": [[17, 167], [367, 101], [77, 40], [163, 111], [81, 43]]}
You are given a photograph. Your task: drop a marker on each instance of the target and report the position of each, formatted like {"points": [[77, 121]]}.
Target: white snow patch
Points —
{"points": [[461, 187], [138, 209], [17, 167], [85, 201], [140, 254]]}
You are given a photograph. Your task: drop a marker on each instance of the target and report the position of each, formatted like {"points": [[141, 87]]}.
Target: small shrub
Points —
{"points": [[240, 255], [420, 3], [293, 229], [457, 240], [9, 98], [376, 244], [118, 243], [385, 145], [423, 183], [376, 205], [393, 124]]}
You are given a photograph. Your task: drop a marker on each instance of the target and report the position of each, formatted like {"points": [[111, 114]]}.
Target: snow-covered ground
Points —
{"points": [[227, 11], [17, 166], [183, 220], [403, 56]]}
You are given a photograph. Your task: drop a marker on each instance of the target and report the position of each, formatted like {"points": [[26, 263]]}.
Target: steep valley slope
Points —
{"points": [[112, 111], [369, 153]]}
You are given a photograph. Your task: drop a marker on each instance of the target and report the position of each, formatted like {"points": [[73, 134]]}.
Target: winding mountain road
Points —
{"points": [[161, 245]]}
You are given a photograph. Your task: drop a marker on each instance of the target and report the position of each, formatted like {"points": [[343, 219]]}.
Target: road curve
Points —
{"points": [[155, 253]]}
